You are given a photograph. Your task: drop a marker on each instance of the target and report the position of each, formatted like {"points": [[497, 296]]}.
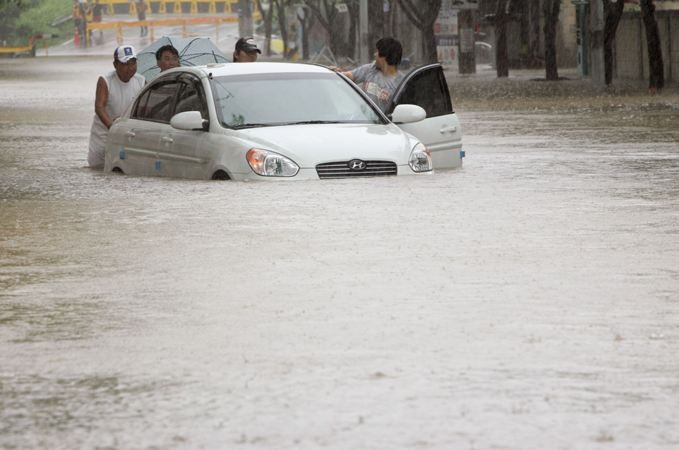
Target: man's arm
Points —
{"points": [[358, 75], [349, 74], [100, 101]]}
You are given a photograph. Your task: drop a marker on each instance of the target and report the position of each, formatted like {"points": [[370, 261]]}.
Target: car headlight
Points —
{"points": [[420, 159], [270, 164]]}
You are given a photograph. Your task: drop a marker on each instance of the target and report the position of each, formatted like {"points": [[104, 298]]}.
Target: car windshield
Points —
{"points": [[247, 101]]}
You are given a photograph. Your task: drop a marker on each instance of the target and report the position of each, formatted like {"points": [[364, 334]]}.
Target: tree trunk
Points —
{"points": [[534, 33], [352, 36], [656, 78], [326, 13], [423, 14], [612, 15], [501, 55], [306, 21], [524, 32], [282, 24], [245, 19], [375, 21], [551, 10], [267, 16], [429, 53], [394, 17]]}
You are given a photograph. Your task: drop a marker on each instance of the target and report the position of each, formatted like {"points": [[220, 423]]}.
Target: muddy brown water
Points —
{"points": [[528, 300]]}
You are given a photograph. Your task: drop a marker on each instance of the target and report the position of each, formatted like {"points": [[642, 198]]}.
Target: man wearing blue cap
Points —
{"points": [[115, 92]]}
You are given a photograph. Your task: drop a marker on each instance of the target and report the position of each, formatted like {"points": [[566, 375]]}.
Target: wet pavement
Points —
{"points": [[528, 300]]}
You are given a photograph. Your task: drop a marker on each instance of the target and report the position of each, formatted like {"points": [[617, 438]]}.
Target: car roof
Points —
{"points": [[255, 68]]}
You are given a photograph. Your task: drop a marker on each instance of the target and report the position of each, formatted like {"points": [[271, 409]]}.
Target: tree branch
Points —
{"points": [[411, 12]]}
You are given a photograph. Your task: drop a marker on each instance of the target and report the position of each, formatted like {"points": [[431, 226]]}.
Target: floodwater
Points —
{"points": [[528, 300]]}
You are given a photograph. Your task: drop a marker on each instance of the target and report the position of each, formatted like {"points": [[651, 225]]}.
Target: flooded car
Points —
{"points": [[276, 121]]}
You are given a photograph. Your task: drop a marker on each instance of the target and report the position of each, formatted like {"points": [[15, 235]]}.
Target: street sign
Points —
{"points": [[464, 4]]}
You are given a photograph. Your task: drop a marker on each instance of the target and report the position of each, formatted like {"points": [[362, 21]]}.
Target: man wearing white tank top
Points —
{"points": [[115, 92]]}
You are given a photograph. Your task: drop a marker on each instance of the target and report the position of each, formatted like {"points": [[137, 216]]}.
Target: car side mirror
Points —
{"points": [[189, 120], [408, 114]]}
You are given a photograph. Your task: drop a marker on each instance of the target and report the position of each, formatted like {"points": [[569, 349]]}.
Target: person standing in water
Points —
{"points": [[115, 92]]}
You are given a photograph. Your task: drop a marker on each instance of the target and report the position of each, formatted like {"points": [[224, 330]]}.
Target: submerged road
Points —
{"points": [[528, 300]]}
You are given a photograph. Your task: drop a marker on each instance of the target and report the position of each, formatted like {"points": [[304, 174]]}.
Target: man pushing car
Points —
{"points": [[115, 92]]}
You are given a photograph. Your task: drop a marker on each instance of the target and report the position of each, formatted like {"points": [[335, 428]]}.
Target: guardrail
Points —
{"points": [[229, 8], [120, 25], [173, 6], [15, 50], [30, 48]]}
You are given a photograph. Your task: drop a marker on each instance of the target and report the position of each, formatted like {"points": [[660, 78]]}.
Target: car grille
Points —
{"points": [[341, 169]]}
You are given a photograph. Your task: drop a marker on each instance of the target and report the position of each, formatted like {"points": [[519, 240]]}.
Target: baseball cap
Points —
{"points": [[124, 53], [247, 45]]}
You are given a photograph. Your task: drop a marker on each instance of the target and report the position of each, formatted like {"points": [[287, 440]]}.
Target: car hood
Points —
{"points": [[309, 145]]}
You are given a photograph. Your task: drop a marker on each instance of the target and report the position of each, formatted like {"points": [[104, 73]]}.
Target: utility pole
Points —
{"points": [[582, 36], [363, 44]]}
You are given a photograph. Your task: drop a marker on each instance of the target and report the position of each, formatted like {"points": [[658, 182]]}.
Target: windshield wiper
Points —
{"points": [[252, 125], [281, 124], [311, 122]]}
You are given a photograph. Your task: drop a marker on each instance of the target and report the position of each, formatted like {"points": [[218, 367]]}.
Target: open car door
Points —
{"points": [[440, 131]]}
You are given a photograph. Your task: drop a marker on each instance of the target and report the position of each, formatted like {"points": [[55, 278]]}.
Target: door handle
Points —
{"points": [[130, 134], [450, 129], [167, 140]]}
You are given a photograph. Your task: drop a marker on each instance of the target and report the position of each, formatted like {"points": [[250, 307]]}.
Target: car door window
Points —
{"points": [[191, 97], [157, 102], [426, 87]]}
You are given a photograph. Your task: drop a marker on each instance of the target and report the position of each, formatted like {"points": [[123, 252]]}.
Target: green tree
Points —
{"points": [[21, 19], [9, 12]]}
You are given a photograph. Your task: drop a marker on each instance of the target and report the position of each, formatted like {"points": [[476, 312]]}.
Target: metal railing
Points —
{"points": [[173, 6], [152, 23], [27, 49]]}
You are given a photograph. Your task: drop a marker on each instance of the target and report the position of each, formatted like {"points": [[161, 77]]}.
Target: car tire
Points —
{"points": [[220, 175]]}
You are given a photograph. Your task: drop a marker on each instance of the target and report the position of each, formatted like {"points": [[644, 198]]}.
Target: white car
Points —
{"points": [[268, 121]]}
